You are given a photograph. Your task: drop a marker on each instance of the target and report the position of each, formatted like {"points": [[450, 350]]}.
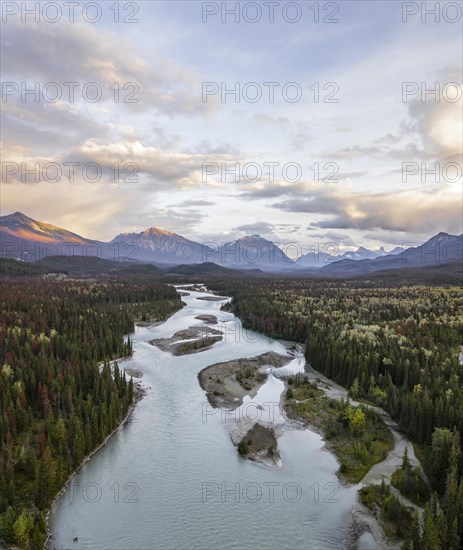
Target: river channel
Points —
{"points": [[172, 478]]}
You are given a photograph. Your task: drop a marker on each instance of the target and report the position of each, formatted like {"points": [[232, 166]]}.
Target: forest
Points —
{"points": [[391, 345], [59, 396], [394, 346]]}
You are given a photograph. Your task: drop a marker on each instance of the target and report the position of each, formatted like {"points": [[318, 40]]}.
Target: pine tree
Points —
{"points": [[405, 460]]}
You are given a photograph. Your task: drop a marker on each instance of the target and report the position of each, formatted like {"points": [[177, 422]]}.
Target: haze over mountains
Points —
{"points": [[26, 239], [321, 256]]}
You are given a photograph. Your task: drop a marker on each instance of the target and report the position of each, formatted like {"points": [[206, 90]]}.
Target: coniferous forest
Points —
{"points": [[394, 346], [290, 167], [59, 396]]}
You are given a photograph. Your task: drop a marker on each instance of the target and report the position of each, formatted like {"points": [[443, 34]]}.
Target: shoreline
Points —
{"points": [[139, 393], [363, 520]]}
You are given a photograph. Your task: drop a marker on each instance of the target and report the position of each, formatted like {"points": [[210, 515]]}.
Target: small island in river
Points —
{"points": [[259, 444], [190, 340], [208, 319], [212, 298], [226, 384]]}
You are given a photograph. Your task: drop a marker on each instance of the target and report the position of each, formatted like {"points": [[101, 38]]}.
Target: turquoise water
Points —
{"points": [[172, 479]]}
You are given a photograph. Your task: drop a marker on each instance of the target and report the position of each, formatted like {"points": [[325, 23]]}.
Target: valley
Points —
{"points": [[253, 439], [231, 383], [231, 275], [350, 368], [27, 240]]}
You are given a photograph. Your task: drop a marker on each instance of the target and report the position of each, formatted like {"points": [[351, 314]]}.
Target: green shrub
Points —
{"points": [[243, 448]]}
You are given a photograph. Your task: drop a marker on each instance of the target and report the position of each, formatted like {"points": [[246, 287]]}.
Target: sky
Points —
{"points": [[332, 134]]}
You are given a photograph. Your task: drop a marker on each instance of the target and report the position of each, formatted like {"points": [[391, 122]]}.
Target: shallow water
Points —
{"points": [[173, 479]]}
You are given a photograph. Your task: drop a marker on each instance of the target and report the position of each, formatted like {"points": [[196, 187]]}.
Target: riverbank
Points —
{"points": [[181, 448], [366, 519], [356, 435], [139, 393], [387, 458]]}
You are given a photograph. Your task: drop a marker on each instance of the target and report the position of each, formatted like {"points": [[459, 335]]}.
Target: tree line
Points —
{"points": [[395, 346], [59, 397]]}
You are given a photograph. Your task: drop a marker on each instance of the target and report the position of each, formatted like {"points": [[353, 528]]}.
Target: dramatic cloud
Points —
{"points": [[438, 209], [440, 125], [166, 167], [168, 135], [78, 52], [433, 130]]}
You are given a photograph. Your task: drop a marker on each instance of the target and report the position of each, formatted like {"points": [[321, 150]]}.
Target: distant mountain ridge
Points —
{"points": [[320, 258], [26, 239], [438, 250]]}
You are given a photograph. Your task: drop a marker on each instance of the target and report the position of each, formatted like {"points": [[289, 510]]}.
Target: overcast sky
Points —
{"points": [[343, 141]]}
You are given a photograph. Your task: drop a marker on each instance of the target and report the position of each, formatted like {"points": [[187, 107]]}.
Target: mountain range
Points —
{"points": [[319, 258], [26, 239]]}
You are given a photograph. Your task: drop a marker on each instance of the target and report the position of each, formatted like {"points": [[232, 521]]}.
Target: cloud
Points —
{"points": [[96, 210], [183, 170], [350, 175], [50, 127], [332, 236], [164, 139], [278, 122], [170, 134], [408, 210], [77, 207], [198, 202], [77, 52], [301, 138], [262, 228], [440, 126], [278, 188], [171, 220], [218, 149], [432, 130]]}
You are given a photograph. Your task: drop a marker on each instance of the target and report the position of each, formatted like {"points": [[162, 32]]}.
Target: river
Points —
{"points": [[172, 479]]}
